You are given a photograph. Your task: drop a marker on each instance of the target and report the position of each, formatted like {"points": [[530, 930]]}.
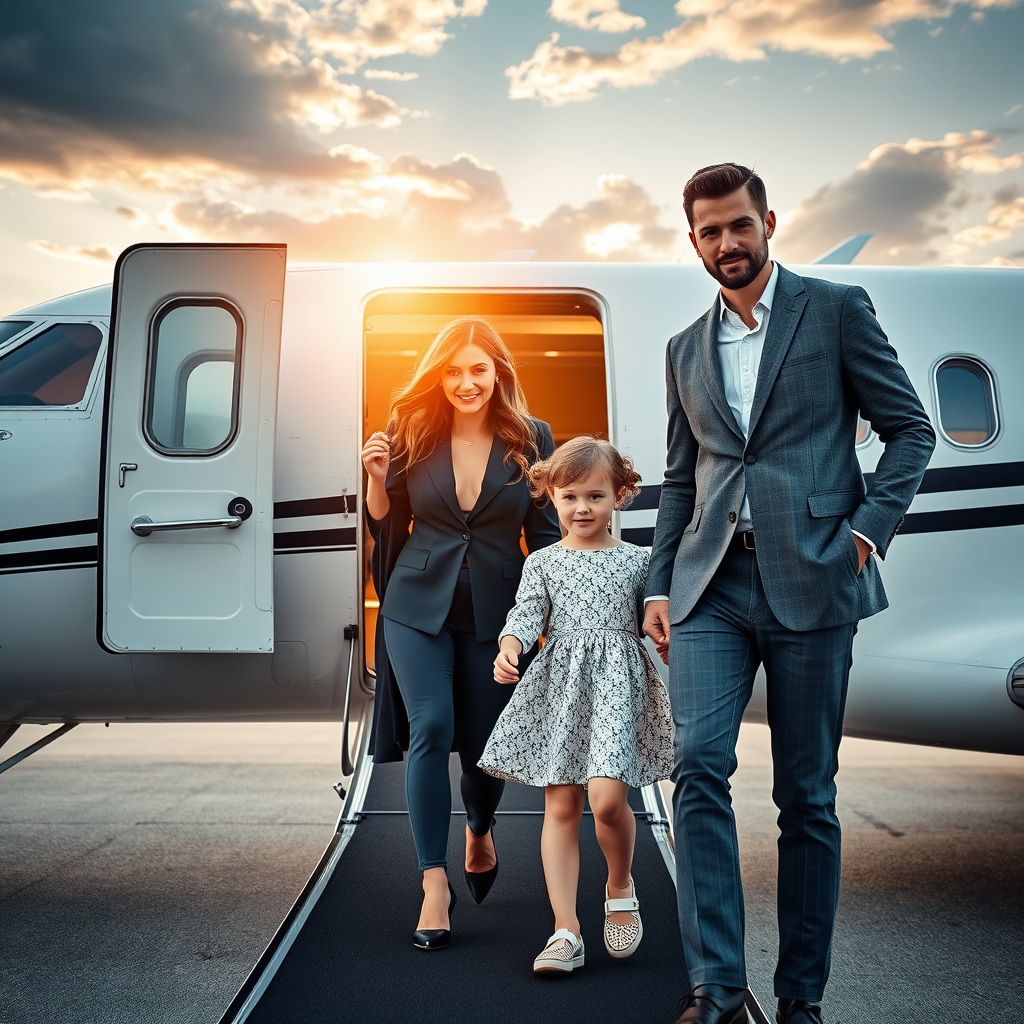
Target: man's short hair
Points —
{"points": [[717, 180]]}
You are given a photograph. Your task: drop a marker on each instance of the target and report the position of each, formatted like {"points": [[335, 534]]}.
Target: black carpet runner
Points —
{"points": [[354, 962]]}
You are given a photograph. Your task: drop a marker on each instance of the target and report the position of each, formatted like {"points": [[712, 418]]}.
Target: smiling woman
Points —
{"points": [[447, 504], [557, 341]]}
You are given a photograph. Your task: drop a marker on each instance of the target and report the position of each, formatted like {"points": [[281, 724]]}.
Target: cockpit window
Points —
{"points": [[9, 328], [52, 368], [966, 402]]}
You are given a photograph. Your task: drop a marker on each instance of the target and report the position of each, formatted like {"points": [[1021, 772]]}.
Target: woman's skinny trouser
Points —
{"points": [[447, 684]]}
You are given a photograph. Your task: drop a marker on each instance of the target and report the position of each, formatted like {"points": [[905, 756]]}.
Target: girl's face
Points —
{"points": [[468, 379], [585, 505]]}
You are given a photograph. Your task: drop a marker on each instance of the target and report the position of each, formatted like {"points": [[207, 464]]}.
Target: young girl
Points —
{"points": [[591, 712]]}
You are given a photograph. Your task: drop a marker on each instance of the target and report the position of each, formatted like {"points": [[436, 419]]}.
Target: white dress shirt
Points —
{"points": [[739, 356]]}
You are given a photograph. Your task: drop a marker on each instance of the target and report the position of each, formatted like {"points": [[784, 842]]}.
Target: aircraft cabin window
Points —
{"points": [[9, 328], [965, 393], [193, 389], [52, 368]]}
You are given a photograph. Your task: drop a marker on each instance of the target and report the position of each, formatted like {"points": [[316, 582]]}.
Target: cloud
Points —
{"points": [[602, 15], [132, 214], [101, 253], [173, 93], [357, 31], [733, 30], [903, 193], [417, 210], [1005, 216], [391, 76]]}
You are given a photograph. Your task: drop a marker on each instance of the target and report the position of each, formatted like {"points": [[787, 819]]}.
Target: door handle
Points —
{"points": [[143, 526]]}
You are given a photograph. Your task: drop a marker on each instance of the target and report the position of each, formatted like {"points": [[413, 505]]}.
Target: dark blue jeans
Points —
{"points": [[714, 655], [447, 684]]}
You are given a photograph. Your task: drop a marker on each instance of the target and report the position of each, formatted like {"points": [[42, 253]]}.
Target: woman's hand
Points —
{"points": [[505, 663], [376, 456]]}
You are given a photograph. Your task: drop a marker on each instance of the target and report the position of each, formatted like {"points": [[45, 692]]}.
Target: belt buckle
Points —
{"points": [[748, 535]]}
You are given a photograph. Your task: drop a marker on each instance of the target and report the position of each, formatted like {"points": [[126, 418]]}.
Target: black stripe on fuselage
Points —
{"points": [[968, 478], [345, 538], [55, 558], [936, 481], [649, 497], [947, 521], [334, 505], [80, 526], [963, 519]]}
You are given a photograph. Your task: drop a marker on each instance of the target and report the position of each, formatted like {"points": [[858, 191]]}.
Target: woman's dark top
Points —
{"points": [[415, 573]]}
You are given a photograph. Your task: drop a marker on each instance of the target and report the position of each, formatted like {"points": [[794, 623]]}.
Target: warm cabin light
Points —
{"points": [[565, 385]]}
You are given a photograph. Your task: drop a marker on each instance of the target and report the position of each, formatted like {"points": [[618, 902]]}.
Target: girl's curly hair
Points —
{"points": [[580, 457]]}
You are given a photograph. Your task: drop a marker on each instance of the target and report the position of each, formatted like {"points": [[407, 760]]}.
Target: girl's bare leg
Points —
{"points": [[616, 835], [560, 852]]}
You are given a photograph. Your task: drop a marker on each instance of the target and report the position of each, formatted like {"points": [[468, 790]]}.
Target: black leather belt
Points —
{"points": [[743, 541]]}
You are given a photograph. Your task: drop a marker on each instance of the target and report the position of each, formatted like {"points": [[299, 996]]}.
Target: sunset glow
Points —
{"points": [[463, 129]]}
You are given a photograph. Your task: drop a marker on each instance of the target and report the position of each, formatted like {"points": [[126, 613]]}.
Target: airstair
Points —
{"points": [[343, 954]]}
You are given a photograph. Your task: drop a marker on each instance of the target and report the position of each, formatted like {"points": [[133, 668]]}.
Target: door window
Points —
{"points": [[53, 368], [195, 357], [966, 402]]}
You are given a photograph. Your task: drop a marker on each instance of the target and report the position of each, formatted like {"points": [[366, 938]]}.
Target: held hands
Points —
{"points": [[505, 663], [376, 456], [656, 626]]}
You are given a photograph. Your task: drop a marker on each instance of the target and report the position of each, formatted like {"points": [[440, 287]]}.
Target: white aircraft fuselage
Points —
{"points": [[250, 599]]}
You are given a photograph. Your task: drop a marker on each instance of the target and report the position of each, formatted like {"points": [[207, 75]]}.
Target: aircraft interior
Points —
{"points": [[557, 340]]}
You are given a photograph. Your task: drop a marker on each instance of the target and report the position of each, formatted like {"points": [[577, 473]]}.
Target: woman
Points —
{"points": [[453, 463]]}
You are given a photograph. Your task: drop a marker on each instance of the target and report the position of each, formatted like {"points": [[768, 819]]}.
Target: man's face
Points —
{"points": [[731, 238]]}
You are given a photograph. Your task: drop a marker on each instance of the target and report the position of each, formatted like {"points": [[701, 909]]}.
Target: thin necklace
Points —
{"points": [[467, 441]]}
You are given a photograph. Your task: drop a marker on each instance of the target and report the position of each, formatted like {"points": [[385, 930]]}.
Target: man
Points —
{"points": [[763, 554]]}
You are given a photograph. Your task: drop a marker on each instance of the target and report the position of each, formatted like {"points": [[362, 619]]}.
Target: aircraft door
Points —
{"points": [[186, 532]]}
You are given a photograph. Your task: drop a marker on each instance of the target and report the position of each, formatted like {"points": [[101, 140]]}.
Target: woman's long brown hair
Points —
{"points": [[421, 415]]}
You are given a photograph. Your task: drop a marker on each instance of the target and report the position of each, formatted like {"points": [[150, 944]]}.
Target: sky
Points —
{"points": [[463, 129]]}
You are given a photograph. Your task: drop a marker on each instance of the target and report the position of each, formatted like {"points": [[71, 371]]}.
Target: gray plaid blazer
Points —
{"points": [[825, 357]]}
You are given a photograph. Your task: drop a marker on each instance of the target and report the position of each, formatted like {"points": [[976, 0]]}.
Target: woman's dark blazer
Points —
{"points": [[415, 573]]}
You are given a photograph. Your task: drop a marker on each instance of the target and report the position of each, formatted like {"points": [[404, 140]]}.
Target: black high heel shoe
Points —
{"points": [[479, 882], [436, 938]]}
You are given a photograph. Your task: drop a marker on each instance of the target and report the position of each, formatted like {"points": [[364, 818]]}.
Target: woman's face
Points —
{"points": [[468, 379]]}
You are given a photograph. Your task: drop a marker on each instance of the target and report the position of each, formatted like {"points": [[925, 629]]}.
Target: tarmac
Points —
{"points": [[143, 869]]}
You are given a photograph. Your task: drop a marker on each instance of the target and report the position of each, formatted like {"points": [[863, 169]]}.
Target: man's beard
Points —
{"points": [[743, 270]]}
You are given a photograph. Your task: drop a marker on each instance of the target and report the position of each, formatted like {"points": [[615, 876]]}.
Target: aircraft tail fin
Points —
{"points": [[845, 252], [516, 255]]}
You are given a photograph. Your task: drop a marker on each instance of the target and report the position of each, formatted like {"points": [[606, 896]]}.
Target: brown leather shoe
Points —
{"points": [[797, 1011], [713, 1004]]}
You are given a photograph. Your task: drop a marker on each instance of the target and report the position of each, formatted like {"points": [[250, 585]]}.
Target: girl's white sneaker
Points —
{"points": [[621, 940], [563, 953]]}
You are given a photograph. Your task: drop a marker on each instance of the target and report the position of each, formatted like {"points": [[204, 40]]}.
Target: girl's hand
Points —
{"points": [[376, 456], [505, 663]]}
